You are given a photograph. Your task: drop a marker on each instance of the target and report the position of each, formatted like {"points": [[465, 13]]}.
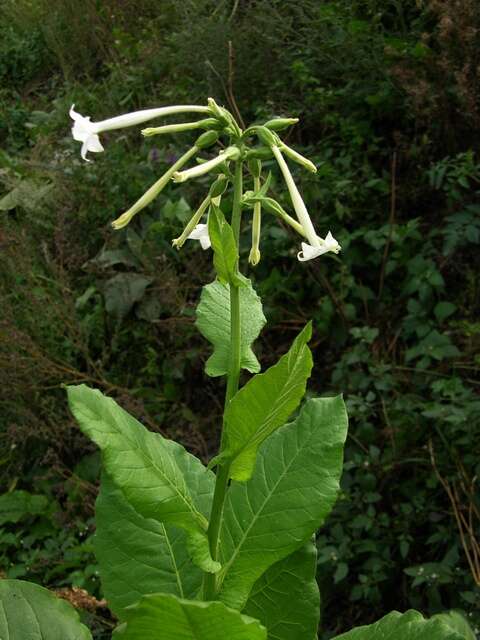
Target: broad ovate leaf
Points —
{"points": [[213, 322], [139, 555], [456, 621], [28, 611], [264, 404], [407, 626], [286, 599], [145, 466], [164, 617], [292, 490]]}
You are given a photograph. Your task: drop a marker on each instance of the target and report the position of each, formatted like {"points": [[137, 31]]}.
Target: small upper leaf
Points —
{"points": [[225, 252], [407, 626], [165, 617], [28, 611], [293, 488], [264, 404], [286, 598], [213, 321], [144, 466]]}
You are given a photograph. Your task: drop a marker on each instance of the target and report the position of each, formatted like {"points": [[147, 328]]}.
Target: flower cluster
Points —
{"points": [[216, 122]]}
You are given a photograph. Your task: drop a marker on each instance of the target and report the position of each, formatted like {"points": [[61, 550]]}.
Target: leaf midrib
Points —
{"points": [[256, 436], [228, 564]]}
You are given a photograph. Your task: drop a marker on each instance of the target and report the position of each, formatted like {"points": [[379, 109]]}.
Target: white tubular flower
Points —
{"points": [[297, 202], [200, 233], [193, 227], [328, 244], [229, 154], [87, 132]]}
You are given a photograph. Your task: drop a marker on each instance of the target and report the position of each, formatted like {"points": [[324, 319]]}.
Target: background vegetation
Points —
{"points": [[388, 96]]}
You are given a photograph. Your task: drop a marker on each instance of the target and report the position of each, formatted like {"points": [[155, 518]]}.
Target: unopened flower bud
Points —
{"points": [[255, 167], [254, 256], [259, 153], [267, 137], [219, 186], [278, 124], [206, 139]]}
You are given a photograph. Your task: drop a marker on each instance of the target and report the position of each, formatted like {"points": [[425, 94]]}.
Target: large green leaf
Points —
{"points": [[139, 555], [264, 404], [286, 599], [456, 621], [146, 467], [30, 612], [213, 321], [164, 617], [292, 490], [407, 626]]}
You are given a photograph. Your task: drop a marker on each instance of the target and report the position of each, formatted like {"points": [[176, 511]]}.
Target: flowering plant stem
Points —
{"points": [[184, 553], [233, 375]]}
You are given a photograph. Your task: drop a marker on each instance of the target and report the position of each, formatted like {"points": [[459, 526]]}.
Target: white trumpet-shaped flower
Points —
{"points": [[297, 201], [328, 244], [200, 233], [86, 132]]}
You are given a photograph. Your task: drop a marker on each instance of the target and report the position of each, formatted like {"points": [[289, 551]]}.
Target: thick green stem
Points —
{"points": [[233, 376]]}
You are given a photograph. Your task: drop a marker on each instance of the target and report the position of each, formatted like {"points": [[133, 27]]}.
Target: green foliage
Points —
{"points": [[213, 321], [137, 555], [264, 404], [165, 474], [285, 599], [458, 623], [34, 541], [294, 484], [30, 611], [225, 252], [407, 626], [179, 619]]}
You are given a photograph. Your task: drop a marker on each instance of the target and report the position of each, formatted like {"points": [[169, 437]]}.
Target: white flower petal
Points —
{"points": [[91, 143], [328, 244], [200, 233], [83, 151], [309, 253], [205, 242], [94, 144], [329, 237], [82, 127], [331, 243]]}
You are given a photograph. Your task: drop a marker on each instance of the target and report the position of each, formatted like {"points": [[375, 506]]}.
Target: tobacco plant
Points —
{"points": [[186, 553]]}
